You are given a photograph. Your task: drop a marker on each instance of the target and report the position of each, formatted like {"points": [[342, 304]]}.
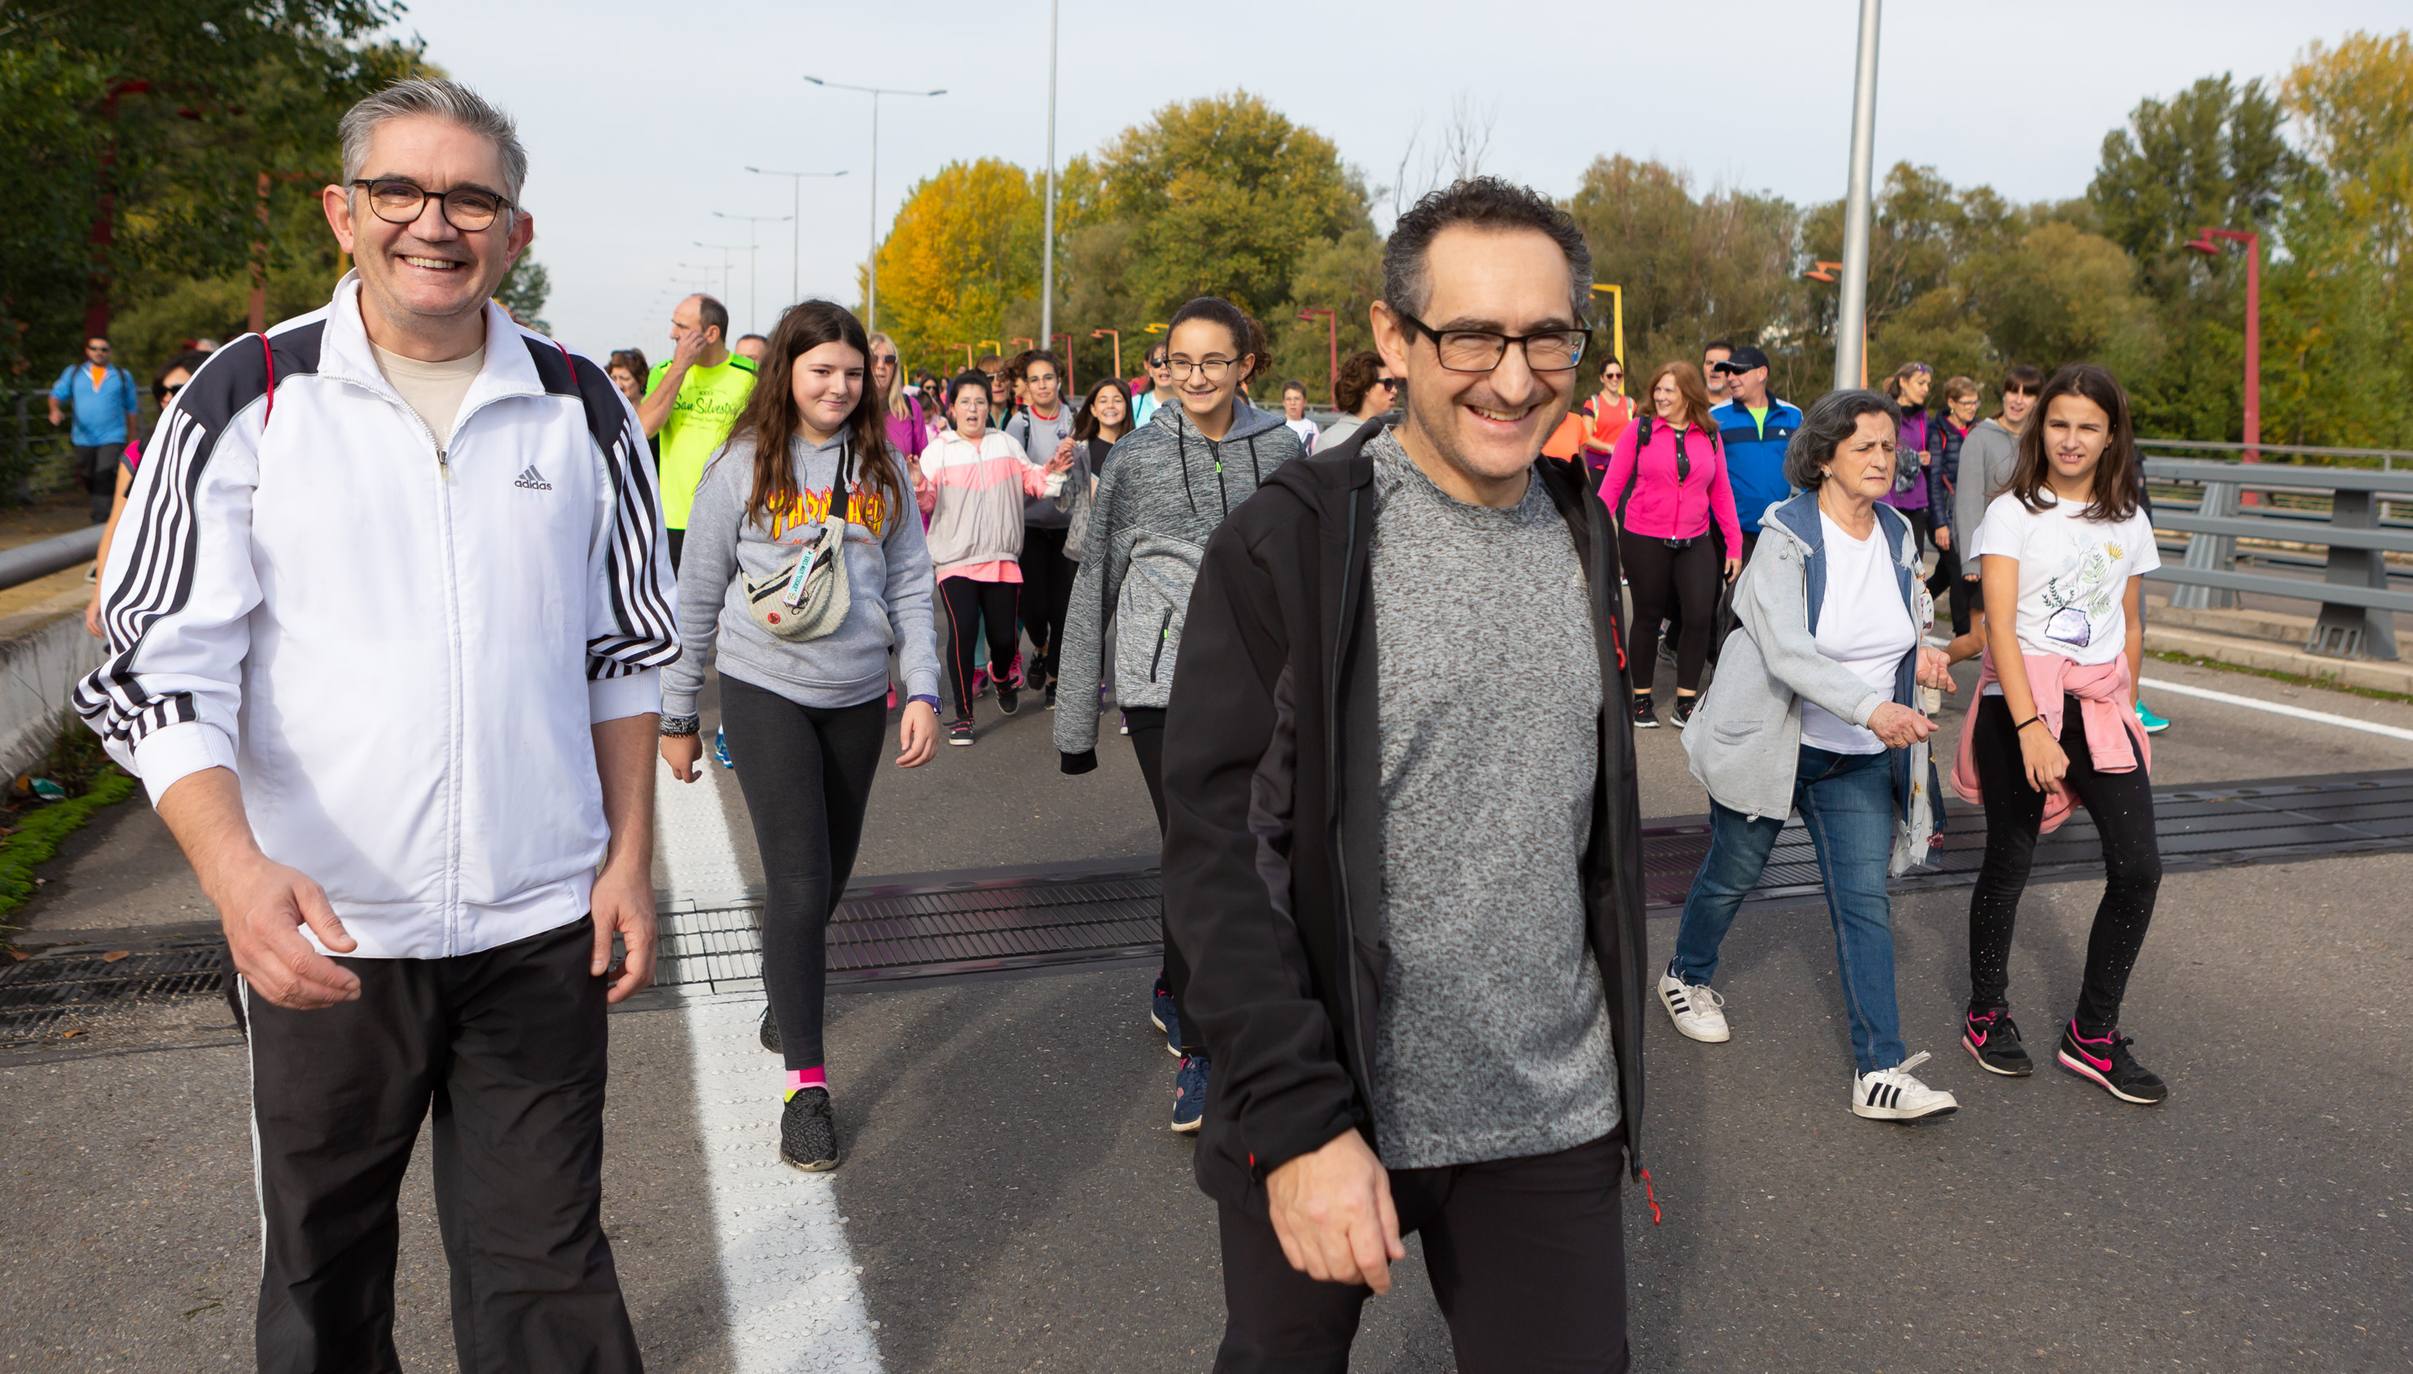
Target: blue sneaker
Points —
{"points": [[1162, 1016], [2148, 721], [720, 749], [1190, 1094]]}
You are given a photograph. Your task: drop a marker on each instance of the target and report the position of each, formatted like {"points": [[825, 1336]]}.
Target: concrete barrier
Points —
{"points": [[42, 653]]}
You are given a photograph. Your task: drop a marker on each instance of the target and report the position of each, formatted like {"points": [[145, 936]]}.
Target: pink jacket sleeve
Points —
{"points": [[1721, 505], [1621, 468]]}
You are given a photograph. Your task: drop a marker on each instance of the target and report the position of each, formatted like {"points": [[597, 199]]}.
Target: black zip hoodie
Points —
{"points": [[1272, 858]]}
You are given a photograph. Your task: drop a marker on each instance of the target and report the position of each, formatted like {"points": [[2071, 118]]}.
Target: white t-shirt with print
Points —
{"points": [[2073, 574], [1863, 625], [1306, 431]]}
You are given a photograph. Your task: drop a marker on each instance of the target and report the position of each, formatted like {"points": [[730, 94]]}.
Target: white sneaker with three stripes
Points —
{"points": [[1893, 1095], [1696, 1008]]}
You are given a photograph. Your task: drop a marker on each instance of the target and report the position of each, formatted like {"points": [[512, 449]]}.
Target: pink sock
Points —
{"points": [[800, 1079]]}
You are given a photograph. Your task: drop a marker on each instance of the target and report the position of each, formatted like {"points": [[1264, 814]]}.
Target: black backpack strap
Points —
{"points": [[1642, 439]]}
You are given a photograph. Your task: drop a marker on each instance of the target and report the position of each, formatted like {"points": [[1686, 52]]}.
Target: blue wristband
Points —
{"points": [[930, 700]]}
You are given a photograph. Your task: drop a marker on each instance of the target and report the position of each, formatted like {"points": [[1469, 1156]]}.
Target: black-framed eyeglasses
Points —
{"points": [[469, 209], [1480, 350], [1213, 368]]}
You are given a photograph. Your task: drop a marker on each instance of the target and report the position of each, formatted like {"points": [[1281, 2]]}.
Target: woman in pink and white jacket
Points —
{"points": [[970, 484], [1666, 482]]}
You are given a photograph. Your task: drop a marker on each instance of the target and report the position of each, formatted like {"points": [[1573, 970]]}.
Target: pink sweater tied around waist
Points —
{"points": [[2106, 702]]}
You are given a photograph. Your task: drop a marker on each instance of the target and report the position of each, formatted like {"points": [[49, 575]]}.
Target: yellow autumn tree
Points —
{"points": [[963, 248]]}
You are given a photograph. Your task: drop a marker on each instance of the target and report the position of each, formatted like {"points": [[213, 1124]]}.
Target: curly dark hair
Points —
{"points": [[1359, 372]]}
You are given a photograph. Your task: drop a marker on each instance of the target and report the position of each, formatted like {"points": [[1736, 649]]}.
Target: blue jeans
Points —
{"points": [[1846, 802]]}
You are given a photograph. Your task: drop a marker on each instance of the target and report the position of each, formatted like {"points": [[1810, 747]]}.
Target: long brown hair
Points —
{"points": [[1688, 386], [769, 419], [1088, 425], [2117, 476]]}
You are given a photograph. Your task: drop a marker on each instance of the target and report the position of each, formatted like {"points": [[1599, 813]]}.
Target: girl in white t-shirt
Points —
{"points": [[2063, 553]]}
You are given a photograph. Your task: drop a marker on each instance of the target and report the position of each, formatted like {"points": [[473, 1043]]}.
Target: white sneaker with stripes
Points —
{"points": [[1893, 1095], [1696, 1008]]}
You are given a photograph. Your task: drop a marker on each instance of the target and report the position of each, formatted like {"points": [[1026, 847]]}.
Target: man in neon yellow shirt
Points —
{"points": [[691, 402]]}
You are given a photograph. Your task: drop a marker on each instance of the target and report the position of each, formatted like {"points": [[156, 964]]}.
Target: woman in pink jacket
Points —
{"points": [[1666, 481]]}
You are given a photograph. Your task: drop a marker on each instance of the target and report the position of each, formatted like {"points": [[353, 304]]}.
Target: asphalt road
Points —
{"points": [[1015, 1203]]}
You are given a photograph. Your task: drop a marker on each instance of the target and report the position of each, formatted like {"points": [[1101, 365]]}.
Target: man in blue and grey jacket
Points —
{"points": [[1755, 427], [102, 397]]}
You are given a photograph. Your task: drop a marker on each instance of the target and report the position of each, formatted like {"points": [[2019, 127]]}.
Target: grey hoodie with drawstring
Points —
{"points": [[1165, 490]]}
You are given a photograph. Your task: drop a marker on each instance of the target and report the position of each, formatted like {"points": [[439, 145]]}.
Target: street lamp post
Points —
{"points": [[1851, 322], [795, 213], [2207, 241], [725, 250], [1047, 230], [1117, 336], [1332, 343], [871, 301], [753, 296]]}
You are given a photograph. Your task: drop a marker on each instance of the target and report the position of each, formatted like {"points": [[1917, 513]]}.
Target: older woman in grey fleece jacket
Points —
{"points": [[1813, 708]]}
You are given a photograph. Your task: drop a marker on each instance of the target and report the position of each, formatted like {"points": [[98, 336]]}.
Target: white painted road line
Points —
{"points": [[2276, 708], [794, 1292], [2279, 708], [695, 855]]}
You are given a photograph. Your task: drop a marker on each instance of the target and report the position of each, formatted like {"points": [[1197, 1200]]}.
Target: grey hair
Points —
{"points": [[445, 100], [1485, 203], [1830, 420]]}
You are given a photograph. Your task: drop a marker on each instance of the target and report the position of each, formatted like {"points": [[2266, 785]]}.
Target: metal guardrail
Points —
{"points": [[26, 562], [2358, 608]]}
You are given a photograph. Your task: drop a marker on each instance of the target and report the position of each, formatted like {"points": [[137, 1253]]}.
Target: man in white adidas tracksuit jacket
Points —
{"points": [[384, 640]]}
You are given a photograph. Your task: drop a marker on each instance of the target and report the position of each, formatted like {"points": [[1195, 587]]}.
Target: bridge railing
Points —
{"points": [[2325, 503]]}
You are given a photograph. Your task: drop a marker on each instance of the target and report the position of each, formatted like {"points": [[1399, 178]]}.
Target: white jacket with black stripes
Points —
{"points": [[399, 650]]}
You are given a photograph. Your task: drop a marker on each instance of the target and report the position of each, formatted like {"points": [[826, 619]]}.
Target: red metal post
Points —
{"points": [[1332, 342], [1070, 385], [1117, 336]]}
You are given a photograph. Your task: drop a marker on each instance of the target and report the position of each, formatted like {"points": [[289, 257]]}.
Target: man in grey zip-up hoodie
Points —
{"points": [[1166, 490]]}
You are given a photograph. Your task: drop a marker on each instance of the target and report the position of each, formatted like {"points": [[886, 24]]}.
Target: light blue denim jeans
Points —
{"points": [[1846, 802]]}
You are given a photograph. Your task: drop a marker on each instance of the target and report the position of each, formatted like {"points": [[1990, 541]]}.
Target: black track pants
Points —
{"points": [[507, 1048], [968, 603], [1148, 745], [2122, 807], [806, 774], [1662, 579], [1046, 597]]}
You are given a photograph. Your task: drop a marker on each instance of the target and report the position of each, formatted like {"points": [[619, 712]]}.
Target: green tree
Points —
{"points": [[1224, 196], [2213, 154], [524, 292]]}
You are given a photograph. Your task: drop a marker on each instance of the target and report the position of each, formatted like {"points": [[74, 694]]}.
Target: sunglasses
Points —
{"points": [[1391, 382]]}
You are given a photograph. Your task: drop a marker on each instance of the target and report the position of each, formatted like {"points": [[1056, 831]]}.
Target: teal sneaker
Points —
{"points": [[2148, 721]]}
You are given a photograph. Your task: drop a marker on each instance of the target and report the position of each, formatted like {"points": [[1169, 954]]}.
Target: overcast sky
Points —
{"points": [[641, 117]]}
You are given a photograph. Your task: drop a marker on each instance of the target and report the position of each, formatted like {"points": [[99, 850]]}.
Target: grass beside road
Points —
{"points": [[2327, 684], [31, 830]]}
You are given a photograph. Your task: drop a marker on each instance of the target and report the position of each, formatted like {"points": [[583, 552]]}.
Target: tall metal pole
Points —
{"points": [[871, 295], [1047, 215], [1851, 321], [795, 221]]}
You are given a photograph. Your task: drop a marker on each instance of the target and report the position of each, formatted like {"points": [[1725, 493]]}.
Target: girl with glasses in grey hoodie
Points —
{"points": [[1168, 486]]}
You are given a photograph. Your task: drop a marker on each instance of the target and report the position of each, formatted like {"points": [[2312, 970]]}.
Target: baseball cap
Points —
{"points": [[1742, 360]]}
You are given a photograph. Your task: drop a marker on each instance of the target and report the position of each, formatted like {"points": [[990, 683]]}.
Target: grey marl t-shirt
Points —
{"points": [[1492, 1040]]}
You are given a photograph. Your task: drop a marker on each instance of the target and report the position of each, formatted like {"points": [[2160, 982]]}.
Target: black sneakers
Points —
{"points": [[960, 732], [1008, 699], [808, 1134], [769, 1034], [1992, 1040], [1644, 717], [1682, 715], [2107, 1064]]}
